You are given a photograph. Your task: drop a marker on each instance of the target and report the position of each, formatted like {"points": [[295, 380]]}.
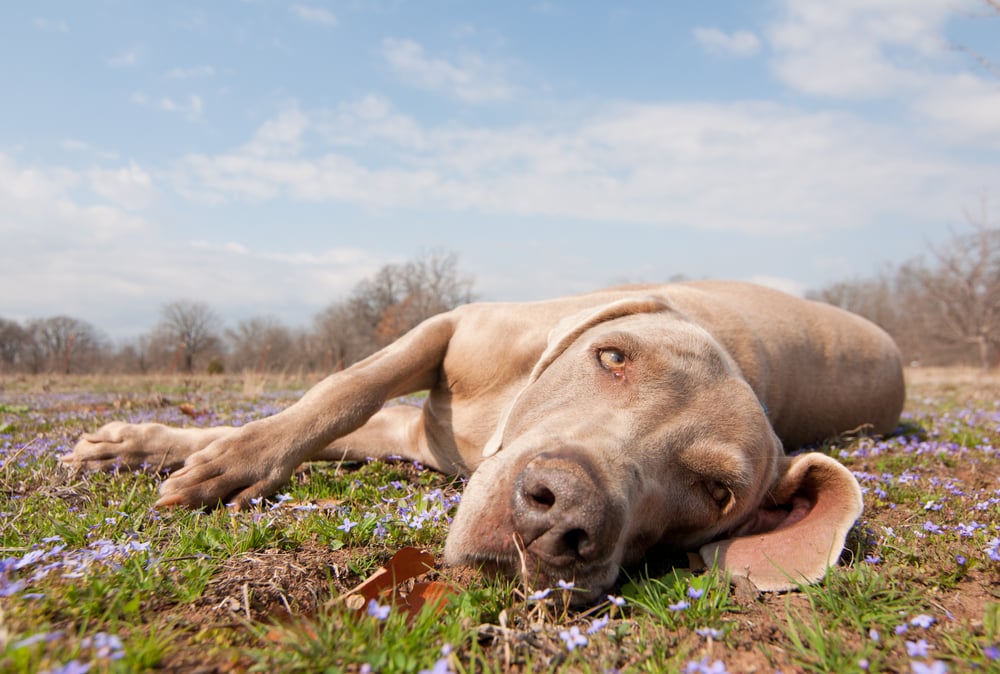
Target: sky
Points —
{"points": [[263, 157]]}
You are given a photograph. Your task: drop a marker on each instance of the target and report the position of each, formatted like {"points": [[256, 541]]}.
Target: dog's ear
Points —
{"points": [[567, 331], [799, 530]]}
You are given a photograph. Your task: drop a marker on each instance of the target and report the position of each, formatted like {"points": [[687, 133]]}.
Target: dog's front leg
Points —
{"points": [[258, 458]]}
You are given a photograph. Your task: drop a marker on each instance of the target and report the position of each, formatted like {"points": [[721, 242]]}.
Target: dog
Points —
{"points": [[595, 428]]}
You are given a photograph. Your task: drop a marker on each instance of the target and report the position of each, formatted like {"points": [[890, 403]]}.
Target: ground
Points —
{"points": [[91, 575]]}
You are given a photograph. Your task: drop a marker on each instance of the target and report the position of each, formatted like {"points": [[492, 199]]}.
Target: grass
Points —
{"points": [[92, 577]]}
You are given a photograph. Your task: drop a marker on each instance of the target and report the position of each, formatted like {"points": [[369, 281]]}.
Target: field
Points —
{"points": [[93, 579]]}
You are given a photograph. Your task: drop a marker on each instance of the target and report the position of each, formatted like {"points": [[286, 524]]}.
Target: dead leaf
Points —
{"points": [[385, 585]]}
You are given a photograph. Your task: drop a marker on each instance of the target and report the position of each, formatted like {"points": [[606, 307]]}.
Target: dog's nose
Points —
{"points": [[562, 512]]}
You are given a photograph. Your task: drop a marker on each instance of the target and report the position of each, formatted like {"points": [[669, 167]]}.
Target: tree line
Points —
{"points": [[190, 336], [942, 309]]}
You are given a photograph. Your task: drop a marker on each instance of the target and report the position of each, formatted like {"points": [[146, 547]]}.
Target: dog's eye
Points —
{"points": [[719, 492], [612, 359]]}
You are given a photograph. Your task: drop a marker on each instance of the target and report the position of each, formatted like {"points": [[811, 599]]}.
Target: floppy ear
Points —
{"points": [[564, 334], [799, 530]]}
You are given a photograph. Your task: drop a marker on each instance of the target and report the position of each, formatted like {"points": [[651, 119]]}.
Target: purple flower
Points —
{"points": [[863, 664], [923, 620], [992, 653], [679, 606], [36, 638], [932, 528], [874, 635], [617, 601], [573, 638], [539, 595], [702, 667], [695, 593], [935, 667], [71, 667], [347, 525], [710, 633], [993, 549], [566, 585], [597, 624], [442, 665], [917, 649], [376, 611]]}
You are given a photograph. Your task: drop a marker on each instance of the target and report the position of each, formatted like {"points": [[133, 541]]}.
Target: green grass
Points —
{"points": [[94, 575]]}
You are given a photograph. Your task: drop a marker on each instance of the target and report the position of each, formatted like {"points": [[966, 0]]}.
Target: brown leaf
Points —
{"points": [[405, 564]]}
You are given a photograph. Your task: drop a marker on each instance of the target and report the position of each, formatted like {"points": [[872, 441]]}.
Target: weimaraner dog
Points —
{"points": [[594, 427]]}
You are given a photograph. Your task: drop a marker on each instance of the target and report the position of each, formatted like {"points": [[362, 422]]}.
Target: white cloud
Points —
{"points": [[738, 43], [74, 250], [760, 168], [130, 186], [471, 79], [190, 73], [191, 108], [314, 14], [51, 26], [82, 146], [967, 108], [858, 48], [126, 58], [47, 204]]}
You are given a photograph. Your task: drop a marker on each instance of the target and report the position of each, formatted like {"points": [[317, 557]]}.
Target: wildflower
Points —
{"points": [[935, 667], [539, 595], [873, 559], [961, 560], [863, 664], [993, 549], [695, 593], [598, 624], [573, 638], [376, 611], [917, 649], [923, 620], [442, 665], [347, 525], [702, 667], [710, 633], [106, 645], [566, 585], [900, 629], [617, 601], [874, 635], [36, 638], [71, 667], [992, 653], [932, 528], [679, 606]]}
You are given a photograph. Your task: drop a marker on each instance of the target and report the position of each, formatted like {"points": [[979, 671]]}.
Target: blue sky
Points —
{"points": [[265, 156]]}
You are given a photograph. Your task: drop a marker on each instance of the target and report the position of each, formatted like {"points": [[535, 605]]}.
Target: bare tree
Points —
{"points": [[260, 343], [64, 344], [192, 327], [393, 301], [13, 344], [961, 290]]}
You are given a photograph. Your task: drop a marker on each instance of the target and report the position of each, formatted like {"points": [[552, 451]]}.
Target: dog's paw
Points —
{"points": [[122, 445], [230, 471]]}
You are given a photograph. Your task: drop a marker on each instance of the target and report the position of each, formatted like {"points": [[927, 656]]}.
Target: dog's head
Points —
{"points": [[636, 429]]}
